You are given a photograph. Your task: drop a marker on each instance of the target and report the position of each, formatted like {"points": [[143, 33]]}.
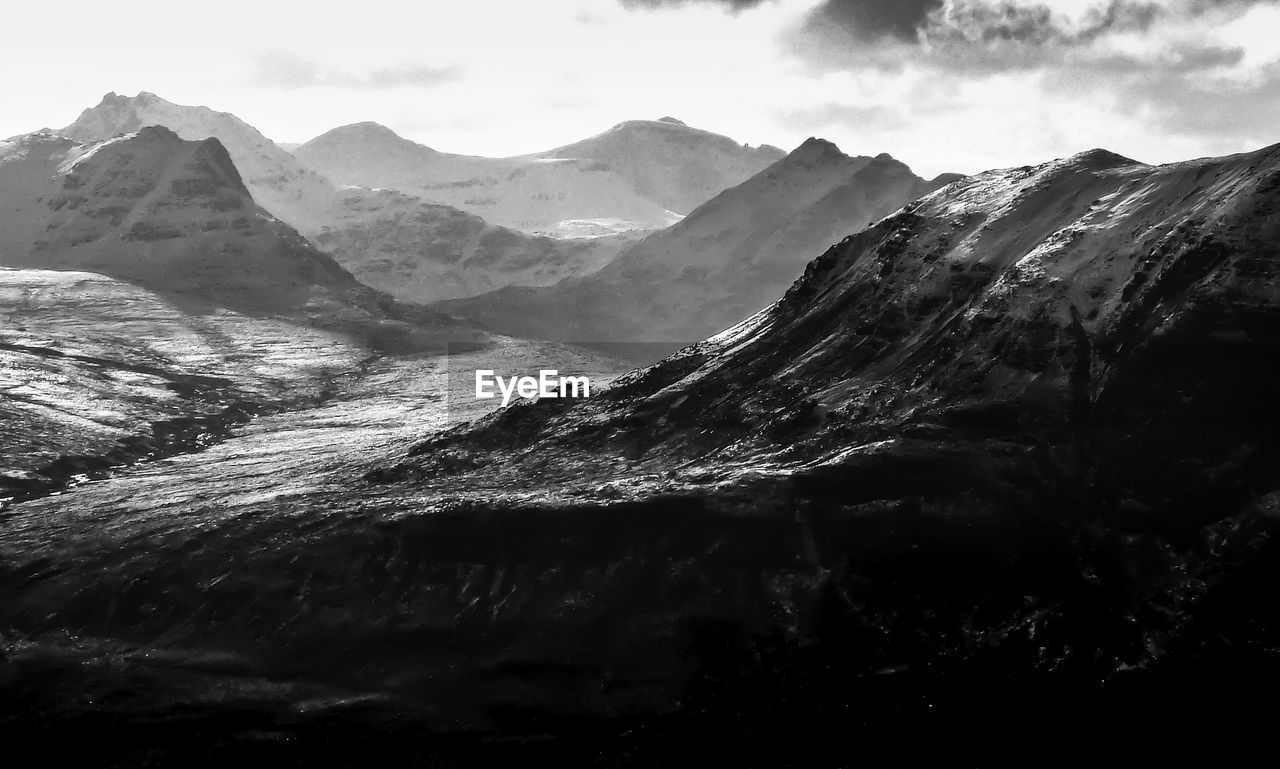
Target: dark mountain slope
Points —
{"points": [[1014, 448]]}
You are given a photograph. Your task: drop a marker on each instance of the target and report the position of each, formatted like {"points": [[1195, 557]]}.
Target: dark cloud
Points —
{"points": [[291, 71], [979, 24], [985, 37], [864, 19], [868, 20]]}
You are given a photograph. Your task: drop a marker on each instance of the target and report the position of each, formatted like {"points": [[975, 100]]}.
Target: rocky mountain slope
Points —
{"points": [[1023, 431], [732, 256], [638, 174], [175, 217], [415, 250]]}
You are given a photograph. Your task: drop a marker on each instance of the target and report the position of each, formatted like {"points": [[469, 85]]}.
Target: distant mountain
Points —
{"points": [[175, 216], [420, 251], [277, 181], [416, 250], [732, 256], [638, 174]]}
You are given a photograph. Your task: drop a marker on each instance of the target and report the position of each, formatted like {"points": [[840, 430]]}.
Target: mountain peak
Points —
{"points": [[1100, 158], [157, 132], [363, 137], [366, 130], [813, 150], [666, 123]]}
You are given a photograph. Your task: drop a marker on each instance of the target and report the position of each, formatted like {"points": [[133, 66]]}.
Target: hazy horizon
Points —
{"points": [[941, 85]]}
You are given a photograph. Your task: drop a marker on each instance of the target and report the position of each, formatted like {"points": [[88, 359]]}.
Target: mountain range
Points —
{"points": [[409, 229], [986, 455], [640, 174], [1002, 457], [730, 257], [174, 216], [421, 251]]}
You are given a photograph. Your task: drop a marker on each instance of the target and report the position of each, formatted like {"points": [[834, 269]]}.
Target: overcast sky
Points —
{"points": [[942, 85]]}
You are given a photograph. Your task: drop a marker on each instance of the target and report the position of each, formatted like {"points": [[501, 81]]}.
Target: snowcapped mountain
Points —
{"points": [[730, 257], [276, 180], [638, 174], [416, 250], [175, 216]]}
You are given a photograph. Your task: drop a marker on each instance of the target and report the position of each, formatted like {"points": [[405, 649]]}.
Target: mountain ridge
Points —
{"points": [[417, 250], [175, 216], [646, 173], [731, 256]]}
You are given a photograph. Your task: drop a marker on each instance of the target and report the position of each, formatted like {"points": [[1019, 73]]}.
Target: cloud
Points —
{"points": [[1198, 93], [733, 6], [864, 19], [870, 20], [985, 36], [291, 71], [1037, 25]]}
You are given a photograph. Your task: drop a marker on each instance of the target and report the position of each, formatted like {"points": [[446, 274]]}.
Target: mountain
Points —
{"points": [[416, 250], [419, 251], [638, 174], [277, 181], [1010, 455], [732, 256], [174, 216]]}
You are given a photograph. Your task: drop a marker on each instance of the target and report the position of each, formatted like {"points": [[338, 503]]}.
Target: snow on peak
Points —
{"points": [[1100, 158]]}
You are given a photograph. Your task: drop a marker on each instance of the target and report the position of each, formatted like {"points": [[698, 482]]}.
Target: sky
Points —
{"points": [[944, 85]]}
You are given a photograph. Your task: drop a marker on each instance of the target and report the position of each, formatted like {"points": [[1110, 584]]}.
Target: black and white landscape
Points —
{"points": [[515, 422]]}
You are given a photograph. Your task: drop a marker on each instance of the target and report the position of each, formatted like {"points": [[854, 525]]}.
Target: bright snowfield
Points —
{"points": [[98, 374], [641, 174], [727, 259]]}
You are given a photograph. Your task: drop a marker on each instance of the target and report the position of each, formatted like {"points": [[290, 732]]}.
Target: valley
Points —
{"points": [[869, 463]]}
